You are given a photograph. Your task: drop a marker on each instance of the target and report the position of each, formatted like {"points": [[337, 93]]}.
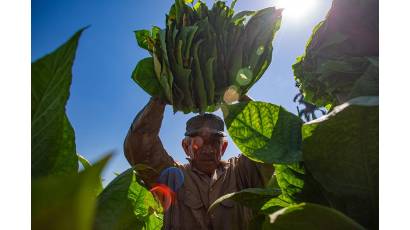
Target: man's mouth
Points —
{"points": [[206, 158]]}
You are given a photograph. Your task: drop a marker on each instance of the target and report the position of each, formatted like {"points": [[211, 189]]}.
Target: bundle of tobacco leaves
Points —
{"points": [[342, 55], [206, 56]]}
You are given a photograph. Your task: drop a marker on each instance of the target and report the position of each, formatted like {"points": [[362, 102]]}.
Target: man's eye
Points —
{"points": [[197, 141]]}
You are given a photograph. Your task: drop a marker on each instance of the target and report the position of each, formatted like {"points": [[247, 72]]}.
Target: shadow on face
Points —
{"points": [[205, 150]]}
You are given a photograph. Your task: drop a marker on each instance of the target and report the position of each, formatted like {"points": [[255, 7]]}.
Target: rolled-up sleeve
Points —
{"points": [[142, 144]]}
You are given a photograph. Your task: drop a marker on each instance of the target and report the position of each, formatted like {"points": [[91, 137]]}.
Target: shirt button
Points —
{"points": [[211, 189], [212, 216]]}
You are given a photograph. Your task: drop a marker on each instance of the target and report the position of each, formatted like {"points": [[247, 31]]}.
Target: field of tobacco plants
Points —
{"points": [[205, 58]]}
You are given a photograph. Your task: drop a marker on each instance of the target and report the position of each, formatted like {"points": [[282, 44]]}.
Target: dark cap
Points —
{"points": [[208, 121]]}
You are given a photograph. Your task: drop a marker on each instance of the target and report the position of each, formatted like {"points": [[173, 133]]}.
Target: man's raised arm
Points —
{"points": [[143, 145]]}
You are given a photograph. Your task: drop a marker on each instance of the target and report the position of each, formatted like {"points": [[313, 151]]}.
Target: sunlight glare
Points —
{"points": [[296, 9]]}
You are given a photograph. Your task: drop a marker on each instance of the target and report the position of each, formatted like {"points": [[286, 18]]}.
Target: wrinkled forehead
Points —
{"points": [[206, 132]]}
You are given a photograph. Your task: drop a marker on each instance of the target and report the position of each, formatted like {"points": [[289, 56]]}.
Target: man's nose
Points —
{"points": [[207, 148]]}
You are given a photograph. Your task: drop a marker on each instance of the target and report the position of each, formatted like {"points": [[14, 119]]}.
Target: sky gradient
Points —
{"points": [[104, 99]]}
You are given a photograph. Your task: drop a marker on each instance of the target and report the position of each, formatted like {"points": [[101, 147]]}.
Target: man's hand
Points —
{"points": [[150, 115], [245, 98]]}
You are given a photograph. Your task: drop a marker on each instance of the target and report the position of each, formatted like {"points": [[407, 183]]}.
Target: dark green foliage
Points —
{"points": [[125, 204], [65, 202], [62, 198], [341, 57], [290, 179], [250, 197], [309, 217], [341, 152], [340, 159]]}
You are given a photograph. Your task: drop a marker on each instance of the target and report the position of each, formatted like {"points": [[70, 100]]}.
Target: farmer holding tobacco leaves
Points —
{"points": [[206, 176], [203, 58]]}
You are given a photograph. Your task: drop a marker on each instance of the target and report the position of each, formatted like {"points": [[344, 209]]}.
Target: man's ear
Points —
{"points": [[224, 146], [185, 145]]}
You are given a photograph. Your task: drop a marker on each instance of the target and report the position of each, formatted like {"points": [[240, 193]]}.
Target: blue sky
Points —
{"points": [[104, 99]]}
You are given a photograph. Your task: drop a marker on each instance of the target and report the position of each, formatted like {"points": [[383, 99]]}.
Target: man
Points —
{"points": [[206, 177]]}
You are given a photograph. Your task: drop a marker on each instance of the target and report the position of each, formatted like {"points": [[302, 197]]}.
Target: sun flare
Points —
{"points": [[296, 9]]}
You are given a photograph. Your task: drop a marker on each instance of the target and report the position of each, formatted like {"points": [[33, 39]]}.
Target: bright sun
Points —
{"points": [[296, 9]]}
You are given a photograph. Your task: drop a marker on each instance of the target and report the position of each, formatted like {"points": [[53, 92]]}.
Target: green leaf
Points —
{"points": [[264, 132], [333, 39], [125, 204], [86, 164], [241, 16], [143, 38], [310, 217], [233, 3], [250, 197], [368, 83], [290, 180], [144, 76], [335, 81], [155, 32], [199, 84], [154, 222], [165, 78], [52, 136], [341, 151], [197, 5], [66, 202], [273, 205]]}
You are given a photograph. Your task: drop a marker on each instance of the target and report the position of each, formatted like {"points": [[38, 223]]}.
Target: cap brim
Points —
{"points": [[196, 132]]}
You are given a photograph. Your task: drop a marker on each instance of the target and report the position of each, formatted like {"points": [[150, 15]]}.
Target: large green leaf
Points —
{"points": [[368, 83], [250, 197], [264, 132], [296, 185], [341, 151], [65, 202], [52, 136], [309, 217], [144, 76], [274, 204], [290, 180], [125, 204]]}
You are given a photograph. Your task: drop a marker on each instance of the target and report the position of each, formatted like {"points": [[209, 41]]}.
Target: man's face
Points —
{"points": [[205, 150]]}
